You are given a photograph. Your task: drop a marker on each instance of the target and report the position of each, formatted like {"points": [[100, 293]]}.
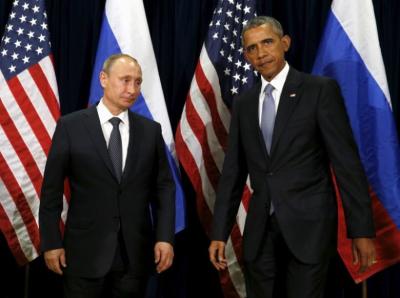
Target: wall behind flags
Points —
{"points": [[177, 29]]}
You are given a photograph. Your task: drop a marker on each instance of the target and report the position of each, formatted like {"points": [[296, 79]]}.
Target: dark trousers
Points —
{"points": [[119, 282], [277, 273]]}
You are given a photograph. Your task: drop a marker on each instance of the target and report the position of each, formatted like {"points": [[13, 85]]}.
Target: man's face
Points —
{"points": [[121, 84], [265, 50]]}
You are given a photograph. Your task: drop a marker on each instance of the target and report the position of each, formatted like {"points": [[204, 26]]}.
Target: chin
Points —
{"points": [[128, 103]]}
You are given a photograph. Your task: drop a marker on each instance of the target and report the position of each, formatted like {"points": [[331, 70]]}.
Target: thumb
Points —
{"points": [[221, 253], [157, 255], [62, 260], [355, 255]]}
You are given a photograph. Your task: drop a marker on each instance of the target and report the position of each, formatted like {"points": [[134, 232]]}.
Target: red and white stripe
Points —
{"points": [[201, 141], [29, 109]]}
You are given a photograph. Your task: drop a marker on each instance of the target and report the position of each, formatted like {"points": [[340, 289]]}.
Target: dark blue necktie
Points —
{"points": [[115, 147], [268, 116]]}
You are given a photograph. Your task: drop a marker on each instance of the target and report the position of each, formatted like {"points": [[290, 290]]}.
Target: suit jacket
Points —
{"points": [[311, 133], [100, 206]]}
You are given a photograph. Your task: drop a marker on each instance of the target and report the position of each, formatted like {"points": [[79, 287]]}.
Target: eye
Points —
{"points": [[267, 41], [251, 49]]}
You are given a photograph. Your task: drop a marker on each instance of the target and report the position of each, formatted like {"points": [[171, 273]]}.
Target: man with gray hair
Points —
{"points": [[287, 132], [116, 165]]}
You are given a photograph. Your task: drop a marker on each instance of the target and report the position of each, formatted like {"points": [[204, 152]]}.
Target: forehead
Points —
{"points": [[259, 33], [125, 66]]}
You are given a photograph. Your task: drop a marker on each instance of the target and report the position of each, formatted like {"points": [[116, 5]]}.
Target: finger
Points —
{"points": [[221, 254], [62, 260], [363, 263], [223, 265], [55, 267], [46, 260], [157, 255], [162, 261], [212, 253], [217, 265], [53, 264], [166, 264], [373, 256], [355, 255]]}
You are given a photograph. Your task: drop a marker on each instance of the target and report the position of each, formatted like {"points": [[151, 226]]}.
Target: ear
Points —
{"points": [[103, 78], [286, 42], [246, 56]]}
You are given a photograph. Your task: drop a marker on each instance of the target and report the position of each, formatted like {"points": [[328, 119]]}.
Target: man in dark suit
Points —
{"points": [[116, 165], [286, 132]]}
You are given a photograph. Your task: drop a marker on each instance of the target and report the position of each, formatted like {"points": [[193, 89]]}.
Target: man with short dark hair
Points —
{"points": [[116, 165], [286, 132]]}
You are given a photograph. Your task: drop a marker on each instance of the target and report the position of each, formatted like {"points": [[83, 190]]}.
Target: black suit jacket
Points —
{"points": [[311, 133], [100, 207]]}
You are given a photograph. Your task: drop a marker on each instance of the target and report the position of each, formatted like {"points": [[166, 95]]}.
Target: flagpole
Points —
{"points": [[26, 281], [364, 292]]}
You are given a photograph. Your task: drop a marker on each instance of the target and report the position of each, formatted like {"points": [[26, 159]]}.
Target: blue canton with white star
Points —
{"points": [[26, 38], [224, 46]]}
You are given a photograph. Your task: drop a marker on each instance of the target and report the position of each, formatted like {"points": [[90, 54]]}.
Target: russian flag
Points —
{"points": [[125, 30], [350, 53]]}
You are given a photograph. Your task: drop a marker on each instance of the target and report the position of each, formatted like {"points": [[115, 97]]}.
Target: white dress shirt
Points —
{"points": [[104, 116], [278, 83]]}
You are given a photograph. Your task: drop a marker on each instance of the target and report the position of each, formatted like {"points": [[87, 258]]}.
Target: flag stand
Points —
{"points": [[364, 289], [26, 281]]}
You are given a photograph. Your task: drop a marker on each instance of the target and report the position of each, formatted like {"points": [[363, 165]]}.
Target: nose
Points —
{"points": [[261, 51], [131, 88]]}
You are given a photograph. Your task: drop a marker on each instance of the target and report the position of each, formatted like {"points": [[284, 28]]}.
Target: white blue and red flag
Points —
{"points": [[350, 53], [124, 30]]}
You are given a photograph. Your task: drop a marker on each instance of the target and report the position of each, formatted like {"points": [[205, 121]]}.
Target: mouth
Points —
{"points": [[264, 64], [129, 98]]}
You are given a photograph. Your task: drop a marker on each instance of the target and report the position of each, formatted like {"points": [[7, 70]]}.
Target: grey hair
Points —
{"points": [[111, 60], [263, 20]]}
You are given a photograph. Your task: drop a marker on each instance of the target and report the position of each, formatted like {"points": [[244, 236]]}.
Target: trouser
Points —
{"points": [[119, 282], [276, 272]]}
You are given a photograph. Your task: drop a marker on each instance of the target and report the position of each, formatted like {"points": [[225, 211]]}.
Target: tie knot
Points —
{"points": [[115, 121], [268, 89]]}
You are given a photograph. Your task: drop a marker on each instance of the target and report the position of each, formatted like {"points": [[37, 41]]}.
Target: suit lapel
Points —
{"points": [[289, 98], [134, 146], [92, 123]]}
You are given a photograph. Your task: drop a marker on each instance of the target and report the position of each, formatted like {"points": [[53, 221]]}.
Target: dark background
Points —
{"points": [[178, 28]]}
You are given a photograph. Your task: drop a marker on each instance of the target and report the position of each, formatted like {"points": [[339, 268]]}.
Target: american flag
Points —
{"points": [[29, 109], [201, 136]]}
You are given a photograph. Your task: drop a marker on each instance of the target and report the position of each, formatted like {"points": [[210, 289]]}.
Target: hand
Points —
{"points": [[363, 253], [54, 258], [217, 255], [163, 256]]}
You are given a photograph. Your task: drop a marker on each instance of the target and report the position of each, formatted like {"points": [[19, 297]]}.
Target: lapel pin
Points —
{"points": [[292, 95]]}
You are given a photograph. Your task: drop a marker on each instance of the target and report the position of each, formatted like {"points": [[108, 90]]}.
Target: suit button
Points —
{"points": [[270, 173]]}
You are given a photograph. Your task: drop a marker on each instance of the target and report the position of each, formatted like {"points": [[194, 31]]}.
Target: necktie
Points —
{"points": [[115, 147], [268, 122], [268, 116]]}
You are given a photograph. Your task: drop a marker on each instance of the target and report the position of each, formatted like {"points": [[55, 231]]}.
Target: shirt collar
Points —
{"points": [[105, 114], [278, 81]]}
